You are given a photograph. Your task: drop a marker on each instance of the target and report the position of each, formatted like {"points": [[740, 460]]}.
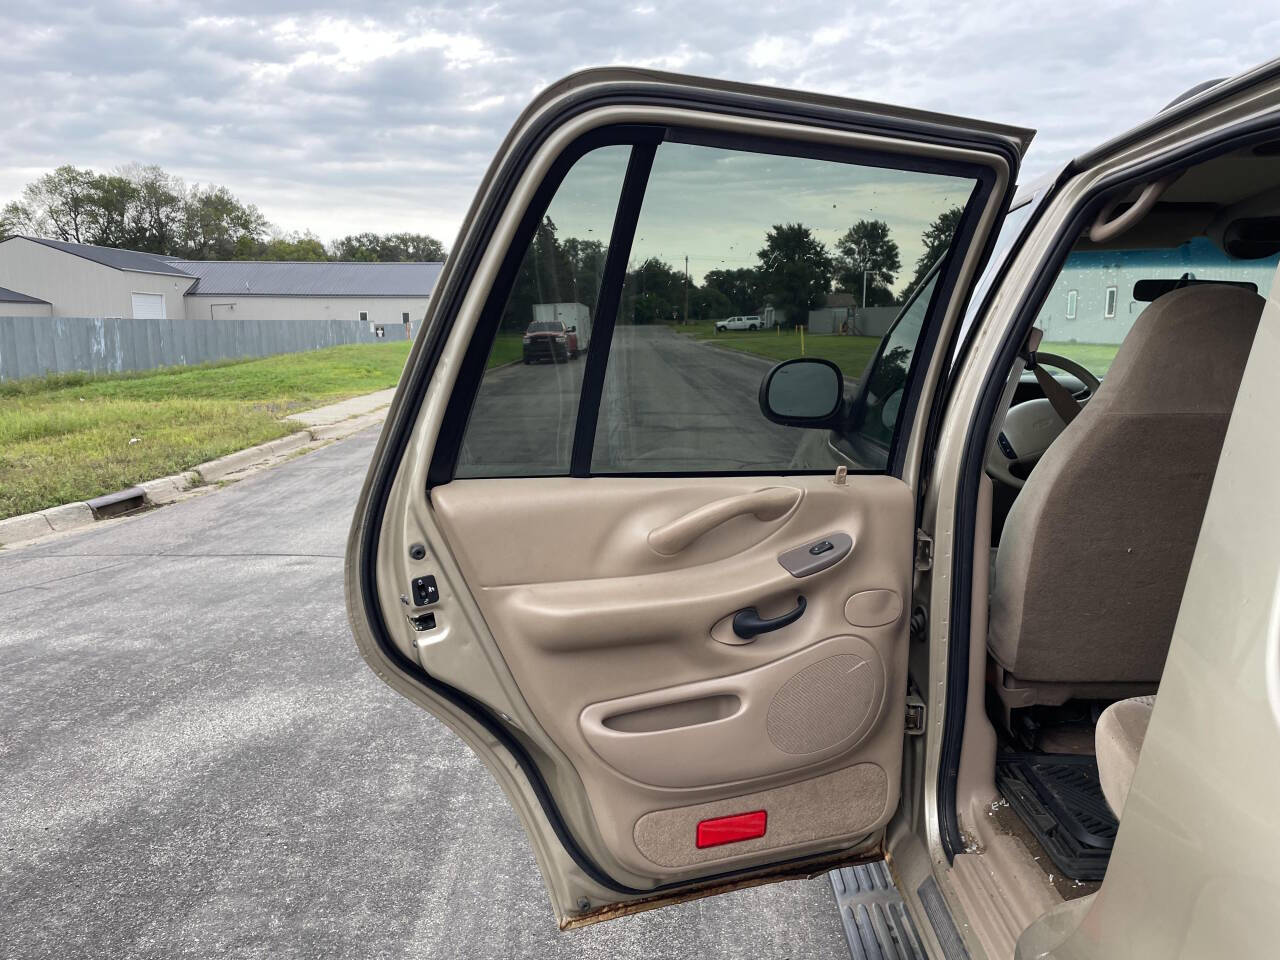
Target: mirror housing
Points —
{"points": [[571, 329], [804, 392]]}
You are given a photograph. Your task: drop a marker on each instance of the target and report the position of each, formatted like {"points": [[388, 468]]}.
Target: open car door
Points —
{"points": [[673, 631]]}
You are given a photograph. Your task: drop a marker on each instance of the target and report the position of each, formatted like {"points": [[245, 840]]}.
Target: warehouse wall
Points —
{"points": [[384, 310], [77, 287]]}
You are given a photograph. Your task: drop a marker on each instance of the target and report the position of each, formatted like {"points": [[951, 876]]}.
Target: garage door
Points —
{"points": [[148, 306]]}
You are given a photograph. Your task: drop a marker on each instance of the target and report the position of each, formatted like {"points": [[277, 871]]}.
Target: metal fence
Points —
{"points": [[34, 346]]}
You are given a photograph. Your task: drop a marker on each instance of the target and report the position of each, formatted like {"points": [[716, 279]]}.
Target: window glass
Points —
{"points": [[878, 409], [819, 256], [1101, 307], [523, 419]]}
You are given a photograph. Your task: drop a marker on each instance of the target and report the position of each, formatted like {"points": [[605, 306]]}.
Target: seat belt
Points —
{"points": [[1059, 397]]}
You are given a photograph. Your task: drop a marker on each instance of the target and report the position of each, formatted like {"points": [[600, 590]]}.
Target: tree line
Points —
{"points": [[145, 208], [795, 272]]}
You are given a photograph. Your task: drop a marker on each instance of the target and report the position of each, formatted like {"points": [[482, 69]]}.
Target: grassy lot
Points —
{"points": [[1094, 357], [506, 348], [850, 354], [74, 436]]}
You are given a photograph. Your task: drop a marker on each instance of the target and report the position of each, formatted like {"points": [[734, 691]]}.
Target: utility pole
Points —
{"points": [[684, 317], [863, 304]]}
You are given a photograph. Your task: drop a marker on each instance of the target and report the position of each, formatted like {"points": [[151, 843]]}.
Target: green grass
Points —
{"points": [[1094, 357], [68, 437], [850, 354], [507, 347]]}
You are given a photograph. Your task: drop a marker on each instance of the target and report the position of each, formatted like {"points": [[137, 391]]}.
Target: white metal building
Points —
{"points": [[60, 279]]}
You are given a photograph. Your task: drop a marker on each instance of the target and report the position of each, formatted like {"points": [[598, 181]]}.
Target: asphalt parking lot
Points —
{"points": [[661, 387], [194, 762]]}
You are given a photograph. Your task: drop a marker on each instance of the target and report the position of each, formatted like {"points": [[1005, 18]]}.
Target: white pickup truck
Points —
{"points": [[741, 323]]}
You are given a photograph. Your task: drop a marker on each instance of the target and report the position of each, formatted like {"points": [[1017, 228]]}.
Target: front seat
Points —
{"points": [[1095, 552]]}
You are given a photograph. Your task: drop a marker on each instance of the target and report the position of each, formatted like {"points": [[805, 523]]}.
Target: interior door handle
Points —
{"points": [[767, 504], [748, 623]]}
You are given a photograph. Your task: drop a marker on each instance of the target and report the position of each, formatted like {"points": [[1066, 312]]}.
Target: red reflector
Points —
{"points": [[740, 826]]}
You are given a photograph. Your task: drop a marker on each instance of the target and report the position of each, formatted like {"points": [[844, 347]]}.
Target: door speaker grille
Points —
{"points": [[823, 704]]}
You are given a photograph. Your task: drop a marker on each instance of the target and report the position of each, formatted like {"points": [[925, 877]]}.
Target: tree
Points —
{"points": [[936, 239], [157, 214], [545, 276], [59, 205], [653, 293], [388, 247], [292, 246], [586, 265], [112, 200], [795, 269], [741, 291], [217, 226], [144, 208], [868, 256]]}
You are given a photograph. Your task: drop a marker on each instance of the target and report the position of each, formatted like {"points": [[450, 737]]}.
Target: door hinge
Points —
{"points": [[924, 551], [915, 714]]}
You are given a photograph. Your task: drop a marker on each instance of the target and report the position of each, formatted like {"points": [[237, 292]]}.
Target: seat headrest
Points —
{"points": [[1185, 353]]}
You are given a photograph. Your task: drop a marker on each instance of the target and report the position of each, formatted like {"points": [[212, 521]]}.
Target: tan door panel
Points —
{"points": [[693, 734], [575, 623], [619, 649]]}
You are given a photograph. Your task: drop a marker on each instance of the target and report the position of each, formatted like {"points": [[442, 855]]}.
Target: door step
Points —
{"points": [[875, 919]]}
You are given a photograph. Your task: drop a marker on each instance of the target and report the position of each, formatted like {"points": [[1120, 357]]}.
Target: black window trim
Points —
{"points": [[644, 140]]}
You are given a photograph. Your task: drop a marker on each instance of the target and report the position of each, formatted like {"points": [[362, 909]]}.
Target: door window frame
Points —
{"points": [[644, 140], [1059, 238]]}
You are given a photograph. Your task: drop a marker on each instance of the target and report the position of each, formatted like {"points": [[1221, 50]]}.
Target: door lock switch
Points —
{"points": [[425, 591]]}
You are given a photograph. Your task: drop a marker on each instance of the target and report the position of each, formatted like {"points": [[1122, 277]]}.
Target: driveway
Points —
{"points": [[194, 762]]}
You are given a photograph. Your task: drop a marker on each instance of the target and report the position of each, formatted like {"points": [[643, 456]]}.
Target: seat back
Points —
{"points": [[1095, 552]]}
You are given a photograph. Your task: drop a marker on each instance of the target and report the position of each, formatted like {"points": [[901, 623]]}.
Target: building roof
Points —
{"points": [[320, 278], [261, 278], [13, 296], [132, 260]]}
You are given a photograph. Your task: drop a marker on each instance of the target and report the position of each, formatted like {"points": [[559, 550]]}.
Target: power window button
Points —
{"points": [[821, 547], [425, 591]]}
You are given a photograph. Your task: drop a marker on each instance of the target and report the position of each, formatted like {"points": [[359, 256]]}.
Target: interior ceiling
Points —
{"points": [[1194, 204], [1226, 180]]}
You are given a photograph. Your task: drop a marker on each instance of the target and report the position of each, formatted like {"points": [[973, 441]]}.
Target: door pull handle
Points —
{"points": [[748, 624]]}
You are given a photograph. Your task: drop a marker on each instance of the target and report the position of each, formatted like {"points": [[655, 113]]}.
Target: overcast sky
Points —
{"points": [[382, 115]]}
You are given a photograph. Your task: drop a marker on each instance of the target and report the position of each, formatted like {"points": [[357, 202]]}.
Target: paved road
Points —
{"points": [[669, 403], [194, 762]]}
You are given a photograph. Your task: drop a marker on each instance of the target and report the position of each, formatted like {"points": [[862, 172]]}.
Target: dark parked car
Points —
{"points": [[550, 340]]}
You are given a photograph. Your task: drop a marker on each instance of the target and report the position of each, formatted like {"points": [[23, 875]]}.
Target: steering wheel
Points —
{"points": [[1031, 427]]}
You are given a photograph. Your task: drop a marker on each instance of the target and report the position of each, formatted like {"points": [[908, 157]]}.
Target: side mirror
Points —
{"points": [[805, 392], [570, 329]]}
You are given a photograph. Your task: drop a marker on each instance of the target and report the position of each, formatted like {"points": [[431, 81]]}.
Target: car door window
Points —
{"points": [[739, 257], [1101, 293], [522, 423], [780, 242]]}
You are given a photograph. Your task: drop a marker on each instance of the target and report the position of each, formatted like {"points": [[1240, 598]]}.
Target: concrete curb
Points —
{"points": [[162, 490], [215, 470]]}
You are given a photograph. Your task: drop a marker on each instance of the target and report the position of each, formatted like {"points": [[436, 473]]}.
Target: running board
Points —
{"points": [[875, 919]]}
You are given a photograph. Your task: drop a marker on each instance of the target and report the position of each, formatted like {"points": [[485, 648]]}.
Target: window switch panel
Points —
{"points": [[425, 591]]}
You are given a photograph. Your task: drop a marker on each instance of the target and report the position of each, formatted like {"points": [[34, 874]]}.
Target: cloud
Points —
{"points": [[382, 116]]}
